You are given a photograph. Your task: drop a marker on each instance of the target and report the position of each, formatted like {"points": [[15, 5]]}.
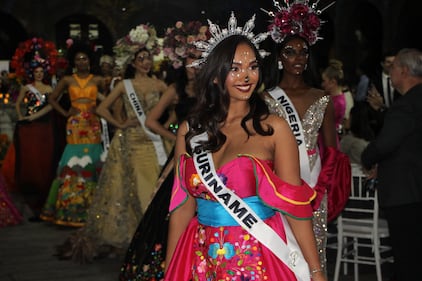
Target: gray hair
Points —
{"points": [[412, 59]]}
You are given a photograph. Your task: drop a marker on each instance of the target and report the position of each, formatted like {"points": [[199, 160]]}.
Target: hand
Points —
{"points": [[374, 99], [29, 118], [73, 111], [133, 122], [372, 173]]}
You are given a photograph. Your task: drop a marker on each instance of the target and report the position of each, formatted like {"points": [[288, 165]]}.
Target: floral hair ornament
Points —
{"points": [[142, 36], [299, 18], [178, 41], [33, 53], [218, 35]]}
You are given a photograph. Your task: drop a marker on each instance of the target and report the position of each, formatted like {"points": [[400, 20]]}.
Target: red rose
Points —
{"points": [[298, 11], [313, 21]]}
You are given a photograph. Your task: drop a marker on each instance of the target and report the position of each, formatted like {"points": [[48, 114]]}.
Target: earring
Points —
{"points": [[306, 66], [280, 65]]}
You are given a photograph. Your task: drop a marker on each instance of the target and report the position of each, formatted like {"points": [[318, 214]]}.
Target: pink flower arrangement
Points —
{"points": [[178, 40], [296, 19]]}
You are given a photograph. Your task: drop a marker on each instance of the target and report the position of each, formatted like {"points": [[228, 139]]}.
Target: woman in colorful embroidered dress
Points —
{"points": [[77, 174], [35, 139], [130, 171], [255, 156]]}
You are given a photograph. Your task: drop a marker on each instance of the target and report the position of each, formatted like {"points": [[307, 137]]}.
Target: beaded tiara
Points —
{"points": [[297, 18], [218, 35]]}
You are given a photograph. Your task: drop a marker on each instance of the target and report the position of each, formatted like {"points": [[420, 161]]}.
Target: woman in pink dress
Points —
{"points": [[332, 83], [219, 216]]}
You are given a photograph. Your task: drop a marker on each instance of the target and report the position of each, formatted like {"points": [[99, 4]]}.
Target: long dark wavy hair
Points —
{"points": [[213, 98]]}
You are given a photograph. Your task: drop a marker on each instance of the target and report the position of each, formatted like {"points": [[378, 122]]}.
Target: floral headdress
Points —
{"points": [[299, 18], [178, 40], [218, 35], [142, 36], [34, 53]]}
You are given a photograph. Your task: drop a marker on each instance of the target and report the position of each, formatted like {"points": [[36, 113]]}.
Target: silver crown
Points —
{"points": [[218, 35]]}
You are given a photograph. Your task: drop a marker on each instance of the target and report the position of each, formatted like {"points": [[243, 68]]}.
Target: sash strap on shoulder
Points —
{"points": [[140, 114]]}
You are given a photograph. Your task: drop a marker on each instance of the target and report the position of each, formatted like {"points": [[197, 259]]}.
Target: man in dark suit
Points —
{"points": [[381, 92], [397, 155], [382, 81]]}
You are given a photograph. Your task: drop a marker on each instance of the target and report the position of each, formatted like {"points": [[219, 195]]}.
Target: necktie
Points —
{"points": [[390, 98]]}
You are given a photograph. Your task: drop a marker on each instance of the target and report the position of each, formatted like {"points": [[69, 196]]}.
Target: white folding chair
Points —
{"points": [[359, 227]]}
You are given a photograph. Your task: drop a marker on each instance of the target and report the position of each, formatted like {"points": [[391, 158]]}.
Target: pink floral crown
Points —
{"points": [[299, 18], [178, 40], [142, 36]]}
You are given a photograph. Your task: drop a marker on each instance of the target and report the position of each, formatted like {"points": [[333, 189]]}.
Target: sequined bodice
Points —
{"points": [[147, 97], [311, 122], [34, 104]]}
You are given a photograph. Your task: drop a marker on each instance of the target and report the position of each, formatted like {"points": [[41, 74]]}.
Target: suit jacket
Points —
{"points": [[398, 152], [377, 81]]}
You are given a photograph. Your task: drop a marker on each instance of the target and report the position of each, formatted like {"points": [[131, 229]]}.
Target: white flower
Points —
{"points": [[139, 35]]}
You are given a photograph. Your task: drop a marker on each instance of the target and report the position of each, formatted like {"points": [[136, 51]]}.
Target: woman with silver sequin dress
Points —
{"points": [[291, 93]]}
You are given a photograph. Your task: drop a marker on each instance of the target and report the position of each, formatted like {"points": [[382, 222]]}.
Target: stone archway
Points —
{"points": [[90, 29]]}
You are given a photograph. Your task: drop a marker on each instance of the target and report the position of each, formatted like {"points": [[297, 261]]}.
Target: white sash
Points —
{"points": [[137, 108], [289, 253], [54, 81], [37, 94], [105, 135], [310, 177]]}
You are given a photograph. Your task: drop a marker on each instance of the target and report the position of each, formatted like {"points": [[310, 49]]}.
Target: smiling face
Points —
{"points": [[294, 56], [244, 73]]}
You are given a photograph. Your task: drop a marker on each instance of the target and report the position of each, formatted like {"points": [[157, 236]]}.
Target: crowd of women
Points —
{"points": [[218, 167]]}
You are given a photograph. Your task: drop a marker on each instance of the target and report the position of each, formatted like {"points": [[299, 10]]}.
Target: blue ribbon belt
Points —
{"points": [[212, 213]]}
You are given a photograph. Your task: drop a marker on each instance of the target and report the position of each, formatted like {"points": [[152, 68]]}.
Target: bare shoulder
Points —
{"points": [[98, 79], [278, 123], [316, 93], [162, 84]]}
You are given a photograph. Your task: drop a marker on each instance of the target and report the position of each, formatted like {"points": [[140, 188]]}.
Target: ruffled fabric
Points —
{"points": [[229, 252], [335, 180], [281, 196]]}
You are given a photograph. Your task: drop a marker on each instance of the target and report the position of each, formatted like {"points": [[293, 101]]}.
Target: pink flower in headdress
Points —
{"points": [[178, 24], [313, 21], [69, 42], [178, 40], [298, 11], [296, 19]]}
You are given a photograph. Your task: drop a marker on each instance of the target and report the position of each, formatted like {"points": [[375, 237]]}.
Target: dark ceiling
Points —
{"points": [[164, 13]]}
